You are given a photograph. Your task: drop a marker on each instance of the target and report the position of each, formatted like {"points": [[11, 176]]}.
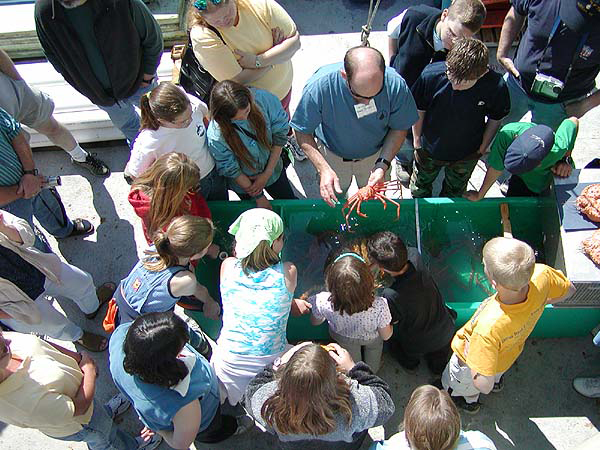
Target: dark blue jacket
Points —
{"points": [[415, 43]]}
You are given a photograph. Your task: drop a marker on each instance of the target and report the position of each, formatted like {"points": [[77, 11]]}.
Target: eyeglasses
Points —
{"points": [[363, 96]]}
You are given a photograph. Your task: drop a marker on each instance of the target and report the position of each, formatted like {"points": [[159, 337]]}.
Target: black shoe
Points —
{"points": [[81, 227], [499, 385], [94, 165], [469, 408]]}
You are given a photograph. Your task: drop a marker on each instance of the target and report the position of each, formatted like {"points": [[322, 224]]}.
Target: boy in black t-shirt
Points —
{"points": [[454, 98], [424, 325]]}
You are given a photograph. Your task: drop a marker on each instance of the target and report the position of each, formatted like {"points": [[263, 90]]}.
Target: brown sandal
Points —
{"points": [[93, 342], [104, 293]]}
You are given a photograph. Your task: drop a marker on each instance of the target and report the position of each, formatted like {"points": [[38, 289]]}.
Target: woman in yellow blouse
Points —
{"points": [[259, 40]]}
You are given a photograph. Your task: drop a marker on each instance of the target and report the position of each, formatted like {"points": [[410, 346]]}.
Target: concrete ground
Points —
{"points": [[538, 409]]}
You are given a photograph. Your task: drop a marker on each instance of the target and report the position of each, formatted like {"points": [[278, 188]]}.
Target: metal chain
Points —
{"points": [[366, 29]]}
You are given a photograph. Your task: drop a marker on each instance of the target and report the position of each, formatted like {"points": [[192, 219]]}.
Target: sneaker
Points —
{"points": [[94, 165], [117, 406], [149, 445], [469, 408], [295, 148], [244, 424], [587, 386], [403, 173], [499, 385]]}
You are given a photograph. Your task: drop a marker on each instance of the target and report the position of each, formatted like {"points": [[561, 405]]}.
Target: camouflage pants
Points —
{"points": [[426, 170]]}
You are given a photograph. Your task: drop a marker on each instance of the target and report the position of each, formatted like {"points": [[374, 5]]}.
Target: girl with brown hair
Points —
{"points": [[358, 320], [167, 189], [173, 121], [317, 393], [159, 280], [245, 136]]}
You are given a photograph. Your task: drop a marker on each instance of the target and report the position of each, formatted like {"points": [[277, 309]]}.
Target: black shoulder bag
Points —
{"points": [[194, 78]]}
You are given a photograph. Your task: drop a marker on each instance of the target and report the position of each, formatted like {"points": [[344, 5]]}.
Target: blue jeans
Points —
{"points": [[102, 434], [123, 113], [48, 209], [550, 114], [213, 186]]}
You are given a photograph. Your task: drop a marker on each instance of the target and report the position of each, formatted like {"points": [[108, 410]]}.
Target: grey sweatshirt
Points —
{"points": [[370, 398]]}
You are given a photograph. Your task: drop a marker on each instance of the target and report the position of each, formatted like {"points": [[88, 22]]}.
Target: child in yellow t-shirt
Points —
{"points": [[491, 341]]}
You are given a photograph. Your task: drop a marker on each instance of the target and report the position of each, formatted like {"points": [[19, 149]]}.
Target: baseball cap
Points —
{"points": [[580, 15], [529, 149]]}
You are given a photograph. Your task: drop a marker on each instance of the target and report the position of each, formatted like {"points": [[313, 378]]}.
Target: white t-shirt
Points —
{"points": [[468, 440], [363, 325], [152, 144]]}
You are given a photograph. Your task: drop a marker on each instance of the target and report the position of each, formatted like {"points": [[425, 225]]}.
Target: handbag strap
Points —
{"points": [[211, 28], [246, 132]]}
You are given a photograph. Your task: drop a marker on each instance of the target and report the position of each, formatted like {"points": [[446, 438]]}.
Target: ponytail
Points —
{"points": [[148, 121], [185, 237], [165, 102]]}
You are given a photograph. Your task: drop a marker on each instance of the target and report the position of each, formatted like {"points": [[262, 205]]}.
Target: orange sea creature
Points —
{"points": [[375, 192]]}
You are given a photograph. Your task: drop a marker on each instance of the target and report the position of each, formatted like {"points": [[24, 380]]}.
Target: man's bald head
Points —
{"points": [[359, 59], [364, 69]]}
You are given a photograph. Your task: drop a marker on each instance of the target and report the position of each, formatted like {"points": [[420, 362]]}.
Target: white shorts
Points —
{"points": [[457, 376]]}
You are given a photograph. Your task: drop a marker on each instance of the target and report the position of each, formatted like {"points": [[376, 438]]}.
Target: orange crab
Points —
{"points": [[377, 191]]}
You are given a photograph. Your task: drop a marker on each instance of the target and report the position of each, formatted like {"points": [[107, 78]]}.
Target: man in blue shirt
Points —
{"points": [[553, 73], [352, 119]]}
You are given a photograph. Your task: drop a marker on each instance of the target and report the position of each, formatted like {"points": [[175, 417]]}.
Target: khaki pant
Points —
{"points": [[360, 169], [371, 349]]}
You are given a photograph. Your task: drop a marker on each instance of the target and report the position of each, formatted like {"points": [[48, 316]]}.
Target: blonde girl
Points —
{"points": [[256, 292], [173, 121], [167, 189]]}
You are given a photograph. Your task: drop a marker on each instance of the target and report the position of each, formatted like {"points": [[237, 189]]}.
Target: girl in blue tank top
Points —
{"points": [[256, 292], [159, 280]]}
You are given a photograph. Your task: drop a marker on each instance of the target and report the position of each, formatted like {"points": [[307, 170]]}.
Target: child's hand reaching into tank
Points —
{"points": [[300, 307], [341, 357]]}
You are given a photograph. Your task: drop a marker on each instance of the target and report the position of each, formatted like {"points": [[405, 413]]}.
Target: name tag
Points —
{"points": [[365, 110]]}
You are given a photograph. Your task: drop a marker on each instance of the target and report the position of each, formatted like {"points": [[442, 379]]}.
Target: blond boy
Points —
{"points": [[491, 341]]}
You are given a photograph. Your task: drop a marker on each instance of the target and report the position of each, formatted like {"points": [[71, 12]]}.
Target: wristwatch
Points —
{"points": [[30, 172], [257, 62], [383, 161], [568, 160]]}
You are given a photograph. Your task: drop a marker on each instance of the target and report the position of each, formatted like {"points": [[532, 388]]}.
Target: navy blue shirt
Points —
{"points": [[455, 120], [541, 15], [326, 109]]}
